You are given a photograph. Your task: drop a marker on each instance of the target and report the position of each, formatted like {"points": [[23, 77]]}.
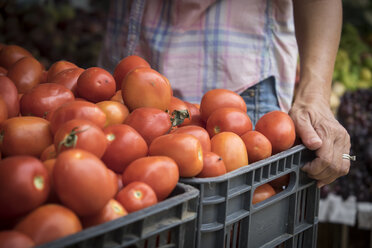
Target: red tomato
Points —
{"points": [[77, 110], [79, 177], [25, 73], [220, 98], [262, 193], [82, 134], [44, 76], [11, 54], [96, 84], [279, 128], [49, 166], [145, 87], [117, 97], [111, 211], [116, 112], [3, 71], [149, 122], [231, 148], [159, 172], [15, 239], [213, 165], [26, 135], [48, 153], [258, 146], [3, 110], [58, 67], [127, 65], [68, 78], [124, 146], [195, 113], [281, 182], [177, 104], [136, 196], [24, 185], [198, 132], [49, 222], [9, 92], [43, 98], [184, 148], [115, 181]]}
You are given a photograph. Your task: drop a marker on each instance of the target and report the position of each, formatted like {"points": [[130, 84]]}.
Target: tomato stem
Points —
{"points": [[39, 182], [71, 139], [179, 116]]}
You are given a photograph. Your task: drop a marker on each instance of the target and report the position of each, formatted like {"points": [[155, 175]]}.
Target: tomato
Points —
{"points": [[3, 110], [262, 193], [149, 122], [258, 146], [43, 98], [3, 71], [48, 153], [220, 98], [117, 97], [127, 65], [125, 145], [116, 112], [213, 165], [96, 84], [115, 181], [184, 148], [111, 211], [82, 181], [82, 134], [198, 132], [49, 222], [77, 110], [9, 92], [280, 182], [15, 239], [11, 54], [68, 78], [279, 128], [159, 172], [49, 166], [177, 104], [228, 119], [145, 87], [26, 135], [25, 73], [195, 113], [136, 196], [231, 148], [58, 67], [24, 185], [44, 76]]}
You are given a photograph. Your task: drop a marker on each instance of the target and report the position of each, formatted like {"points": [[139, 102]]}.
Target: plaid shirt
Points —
{"points": [[207, 44]]}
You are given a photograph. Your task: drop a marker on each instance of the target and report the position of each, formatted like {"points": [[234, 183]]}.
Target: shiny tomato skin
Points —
{"points": [[179, 105], [262, 193], [184, 148], [3, 110], [49, 166], [127, 65], [43, 98], [231, 148], [20, 133], [124, 145], [58, 67], [24, 185], [117, 97], [68, 78], [11, 54], [49, 222], [195, 113], [228, 120], [96, 84], [258, 146], [79, 176], [15, 239], [279, 128], [9, 92], [136, 196], [159, 172], [111, 211], [86, 135], [26, 73], [198, 132], [145, 87], [213, 165], [116, 112], [220, 98], [149, 122], [77, 110]]}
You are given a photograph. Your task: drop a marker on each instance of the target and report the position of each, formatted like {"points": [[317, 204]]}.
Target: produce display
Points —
{"points": [[80, 148]]}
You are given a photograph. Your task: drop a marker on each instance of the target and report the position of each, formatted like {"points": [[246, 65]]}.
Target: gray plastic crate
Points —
{"points": [[227, 217], [166, 224]]}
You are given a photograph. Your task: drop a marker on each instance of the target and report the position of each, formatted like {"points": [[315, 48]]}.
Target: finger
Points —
{"points": [[307, 132], [323, 160]]}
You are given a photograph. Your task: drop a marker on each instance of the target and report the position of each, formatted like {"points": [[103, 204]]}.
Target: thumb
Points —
{"points": [[308, 134]]}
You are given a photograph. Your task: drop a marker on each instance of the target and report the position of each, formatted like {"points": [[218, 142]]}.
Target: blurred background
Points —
{"points": [[74, 31]]}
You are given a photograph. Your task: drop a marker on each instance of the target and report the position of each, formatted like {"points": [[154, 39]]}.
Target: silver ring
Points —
{"points": [[347, 156]]}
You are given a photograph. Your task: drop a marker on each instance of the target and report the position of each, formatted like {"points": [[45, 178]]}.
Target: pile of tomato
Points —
{"points": [[80, 147]]}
